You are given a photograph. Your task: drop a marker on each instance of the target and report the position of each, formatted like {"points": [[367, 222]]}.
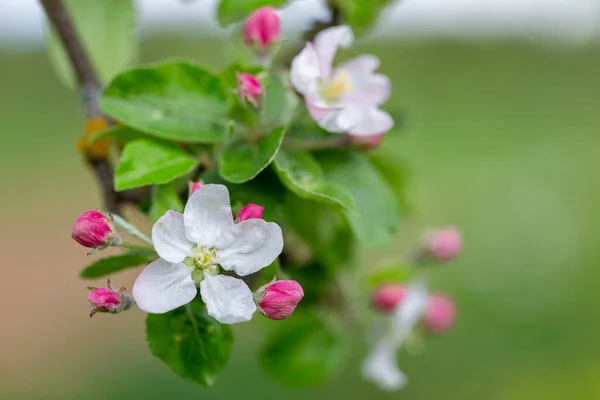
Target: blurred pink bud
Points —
{"points": [[386, 297], [262, 28], [278, 299], [444, 244], [440, 314], [193, 186], [251, 211], [367, 143], [108, 300], [95, 230], [249, 88]]}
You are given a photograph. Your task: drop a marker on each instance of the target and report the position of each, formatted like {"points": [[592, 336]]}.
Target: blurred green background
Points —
{"points": [[502, 139]]}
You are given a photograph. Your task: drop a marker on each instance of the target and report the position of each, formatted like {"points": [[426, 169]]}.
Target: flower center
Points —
{"points": [[340, 84], [205, 259]]}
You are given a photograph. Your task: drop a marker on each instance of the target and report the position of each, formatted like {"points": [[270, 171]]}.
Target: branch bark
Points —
{"points": [[90, 89]]}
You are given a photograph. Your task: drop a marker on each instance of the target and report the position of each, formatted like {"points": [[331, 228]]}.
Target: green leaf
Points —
{"points": [[377, 221], [146, 162], [106, 29], [121, 134], [303, 351], [397, 172], [361, 14], [280, 100], [322, 228], [302, 174], [164, 198], [177, 100], [230, 11], [110, 265], [398, 273], [242, 161], [191, 342]]}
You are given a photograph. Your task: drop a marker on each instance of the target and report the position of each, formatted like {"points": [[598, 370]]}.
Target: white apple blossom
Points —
{"points": [[344, 99], [380, 366], [192, 245]]}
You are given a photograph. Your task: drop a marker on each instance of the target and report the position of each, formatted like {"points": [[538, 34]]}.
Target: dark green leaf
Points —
{"points": [[280, 100], [110, 265], [303, 351], [377, 221], [361, 14], [178, 101], [191, 342], [147, 162], [302, 174], [230, 11], [242, 161], [106, 29], [164, 198]]}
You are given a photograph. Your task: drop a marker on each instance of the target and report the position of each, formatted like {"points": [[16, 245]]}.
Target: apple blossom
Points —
{"points": [[440, 314], [108, 300], [250, 211], [192, 245], [344, 99], [193, 186], [443, 244], [262, 28], [278, 299], [95, 230], [249, 88]]}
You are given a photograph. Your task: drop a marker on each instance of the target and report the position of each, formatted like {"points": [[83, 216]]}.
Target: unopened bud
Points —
{"points": [[108, 300], [262, 29], [251, 211], [278, 299], [388, 296], [95, 230], [193, 186], [440, 314], [249, 88], [444, 244]]}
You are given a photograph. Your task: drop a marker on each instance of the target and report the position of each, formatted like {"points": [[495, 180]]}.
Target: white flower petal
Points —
{"points": [[257, 244], [369, 88], [326, 117], [410, 311], [207, 216], [163, 286], [367, 121], [380, 367], [326, 44], [228, 300], [304, 70], [168, 236]]}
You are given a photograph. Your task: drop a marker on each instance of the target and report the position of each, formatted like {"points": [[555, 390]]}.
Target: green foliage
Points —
{"points": [[280, 101], [303, 351], [164, 198], [377, 221], [230, 11], [393, 274], [177, 100], [360, 14], [146, 162], [121, 134], [105, 27], [302, 174], [242, 160], [110, 265], [190, 341]]}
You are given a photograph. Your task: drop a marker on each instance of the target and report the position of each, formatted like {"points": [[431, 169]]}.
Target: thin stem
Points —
{"points": [[137, 247], [318, 143], [130, 229]]}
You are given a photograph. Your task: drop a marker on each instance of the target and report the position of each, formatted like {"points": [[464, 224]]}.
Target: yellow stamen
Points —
{"points": [[340, 84]]}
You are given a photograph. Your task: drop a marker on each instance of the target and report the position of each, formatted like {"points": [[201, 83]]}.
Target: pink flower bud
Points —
{"points": [[444, 244], [440, 314], [95, 230], [262, 28], [249, 88], [251, 211], [367, 143], [386, 297], [278, 299], [193, 186], [108, 300]]}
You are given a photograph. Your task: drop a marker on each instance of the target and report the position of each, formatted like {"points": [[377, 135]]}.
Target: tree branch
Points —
{"points": [[90, 89]]}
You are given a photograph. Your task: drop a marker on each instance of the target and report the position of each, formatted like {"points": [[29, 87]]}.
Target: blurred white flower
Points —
{"points": [[380, 366], [344, 99], [191, 247]]}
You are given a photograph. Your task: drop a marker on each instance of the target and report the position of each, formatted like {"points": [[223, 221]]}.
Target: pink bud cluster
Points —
{"points": [[278, 299], [440, 311], [443, 244], [95, 230], [250, 88], [262, 29], [108, 300]]}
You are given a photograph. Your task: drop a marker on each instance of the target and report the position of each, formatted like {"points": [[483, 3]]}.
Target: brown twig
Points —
{"points": [[90, 89]]}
